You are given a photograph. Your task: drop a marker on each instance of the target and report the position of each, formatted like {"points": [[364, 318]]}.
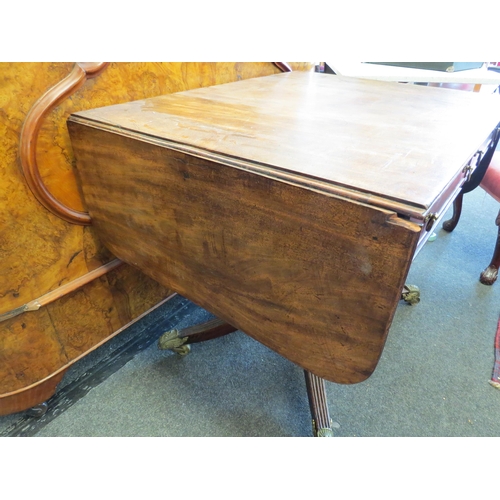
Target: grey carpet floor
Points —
{"points": [[432, 379]]}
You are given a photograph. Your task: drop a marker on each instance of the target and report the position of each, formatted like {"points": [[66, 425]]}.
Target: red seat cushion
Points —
{"points": [[491, 180]]}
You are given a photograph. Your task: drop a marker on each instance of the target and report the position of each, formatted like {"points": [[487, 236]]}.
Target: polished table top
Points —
{"points": [[390, 141]]}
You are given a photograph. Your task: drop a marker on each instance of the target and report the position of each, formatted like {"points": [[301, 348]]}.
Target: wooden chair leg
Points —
{"points": [[490, 274], [322, 423], [178, 340], [450, 224]]}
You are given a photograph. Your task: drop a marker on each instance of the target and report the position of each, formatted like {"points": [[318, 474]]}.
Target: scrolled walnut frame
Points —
{"points": [[80, 73], [283, 66]]}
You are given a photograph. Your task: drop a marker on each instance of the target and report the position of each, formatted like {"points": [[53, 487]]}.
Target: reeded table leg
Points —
{"points": [[322, 423]]}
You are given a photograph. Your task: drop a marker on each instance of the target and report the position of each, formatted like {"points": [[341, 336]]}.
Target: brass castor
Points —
{"points": [[324, 431], [170, 341], [411, 294], [38, 411], [182, 350]]}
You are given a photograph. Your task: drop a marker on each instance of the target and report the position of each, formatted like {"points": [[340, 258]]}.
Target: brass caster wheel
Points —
{"points": [[170, 341], [182, 350], [324, 431], [38, 410], [411, 294]]}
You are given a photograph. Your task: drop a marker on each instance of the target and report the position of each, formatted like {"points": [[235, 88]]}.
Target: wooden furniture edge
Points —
{"points": [[283, 66], [80, 73], [271, 172], [39, 392], [29, 138], [28, 397], [63, 290]]}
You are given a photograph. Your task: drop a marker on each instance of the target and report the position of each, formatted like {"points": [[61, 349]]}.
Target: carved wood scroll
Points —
{"points": [[80, 73], [27, 157], [29, 137], [283, 66]]}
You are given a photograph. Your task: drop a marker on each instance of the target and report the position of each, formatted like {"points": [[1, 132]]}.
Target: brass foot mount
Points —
{"points": [[411, 294], [170, 341], [324, 431]]}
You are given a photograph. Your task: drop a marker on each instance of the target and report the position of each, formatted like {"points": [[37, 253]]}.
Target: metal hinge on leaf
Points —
{"points": [[429, 221]]}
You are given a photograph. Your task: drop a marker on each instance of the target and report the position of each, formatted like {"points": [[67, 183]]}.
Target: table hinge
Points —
{"points": [[468, 169], [429, 221]]}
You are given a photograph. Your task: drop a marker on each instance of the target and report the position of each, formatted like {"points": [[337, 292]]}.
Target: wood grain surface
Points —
{"points": [[38, 346], [316, 278], [393, 141]]}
